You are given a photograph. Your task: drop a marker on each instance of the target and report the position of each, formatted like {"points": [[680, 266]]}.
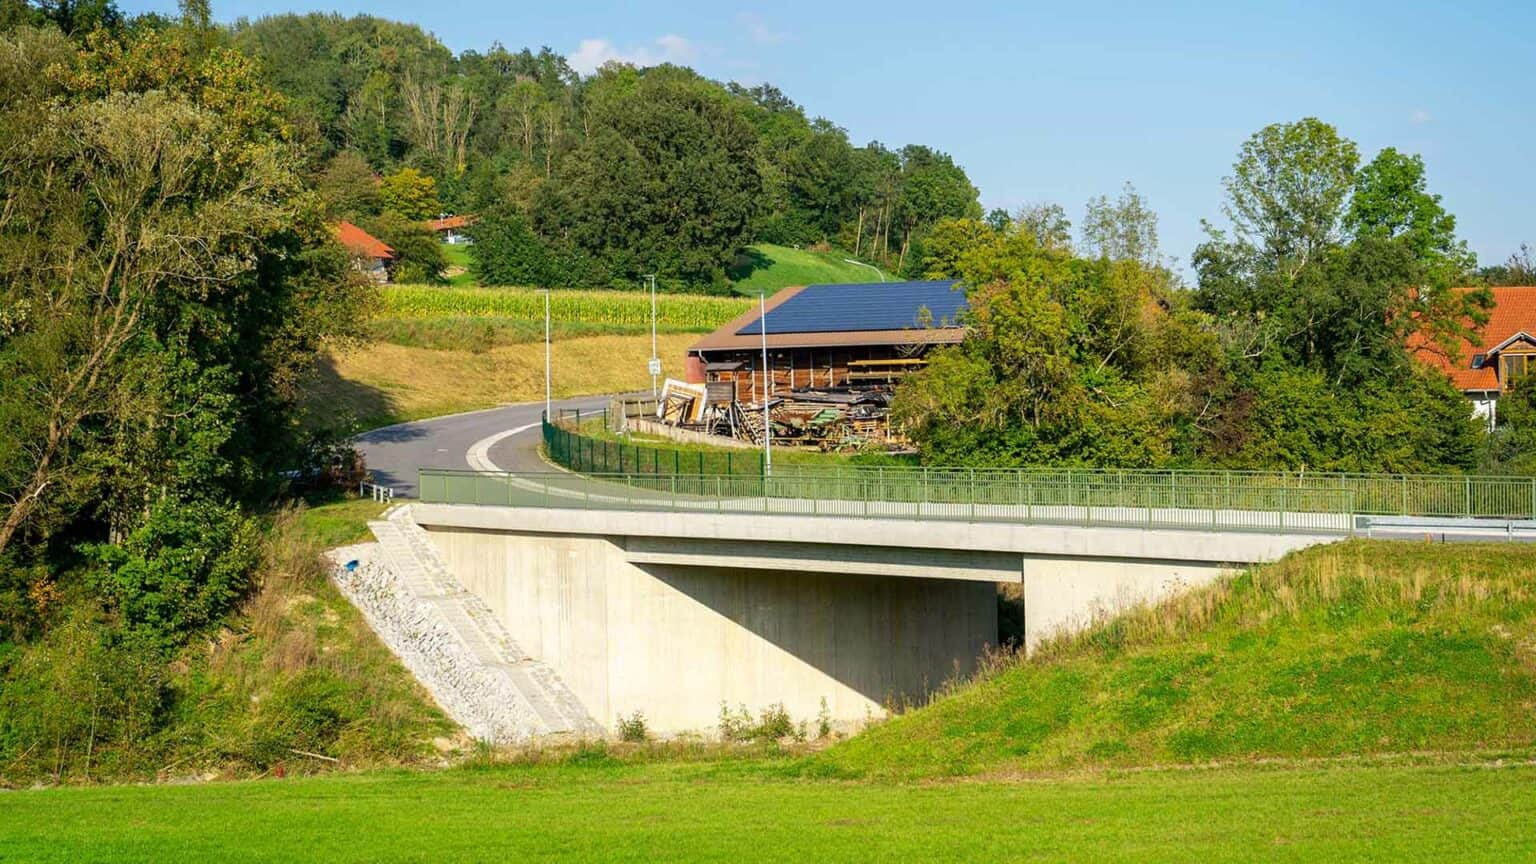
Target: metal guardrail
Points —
{"points": [[1119, 502], [1429, 495]]}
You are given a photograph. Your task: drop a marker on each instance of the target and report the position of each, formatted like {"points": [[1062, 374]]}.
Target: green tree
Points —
{"points": [[165, 285], [411, 194], [1287, 191], [1391, 201], [1121, 230], [664, 181], [348, 188], [506, 251]]}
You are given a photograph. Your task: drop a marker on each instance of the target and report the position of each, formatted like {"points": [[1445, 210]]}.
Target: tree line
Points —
{"points": [[1291, 350], [586, 180]]}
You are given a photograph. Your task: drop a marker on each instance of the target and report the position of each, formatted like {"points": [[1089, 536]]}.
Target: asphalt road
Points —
{"points": [[394, 453]]}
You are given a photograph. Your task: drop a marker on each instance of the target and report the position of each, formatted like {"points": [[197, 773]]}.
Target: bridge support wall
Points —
{"points": [[674, 642]]}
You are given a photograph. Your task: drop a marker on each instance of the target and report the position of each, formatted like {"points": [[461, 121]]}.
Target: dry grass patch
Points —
{"points": [[383, 383]]}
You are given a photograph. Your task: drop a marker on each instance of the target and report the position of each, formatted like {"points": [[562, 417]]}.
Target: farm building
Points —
{"points": [[450, 229], [834, 353], [372, 256]]}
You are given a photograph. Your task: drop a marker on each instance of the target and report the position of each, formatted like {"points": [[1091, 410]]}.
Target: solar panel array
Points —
{"points": [[869, 306]]}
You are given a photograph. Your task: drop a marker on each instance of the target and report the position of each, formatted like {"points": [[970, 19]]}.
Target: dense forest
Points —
{"points": [[585, 181]]}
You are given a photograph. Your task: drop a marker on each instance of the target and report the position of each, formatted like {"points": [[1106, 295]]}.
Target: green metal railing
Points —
{"points": [[1084, 500], [565, 445], [1433, 495]]}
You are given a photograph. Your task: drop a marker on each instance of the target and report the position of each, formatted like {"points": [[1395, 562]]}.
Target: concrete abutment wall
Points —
{"points": [[674, 642]]}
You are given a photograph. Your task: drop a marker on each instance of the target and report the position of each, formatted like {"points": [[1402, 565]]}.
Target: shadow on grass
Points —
{"points": [[340, 407], [747, 262]]}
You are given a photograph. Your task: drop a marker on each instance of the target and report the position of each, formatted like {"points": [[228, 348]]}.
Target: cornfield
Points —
{"points": [[620, 308]]}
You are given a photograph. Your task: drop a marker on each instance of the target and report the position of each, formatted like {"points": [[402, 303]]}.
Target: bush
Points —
{"points": [[633, 729], [771, 724], [188, 564]]}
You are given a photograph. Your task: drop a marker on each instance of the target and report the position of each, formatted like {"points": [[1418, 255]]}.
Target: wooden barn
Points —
{"points": [[823, 337]]}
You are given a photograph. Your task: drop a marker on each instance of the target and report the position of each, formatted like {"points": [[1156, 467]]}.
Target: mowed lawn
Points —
{"points": [[747, 812], [765, 268]]}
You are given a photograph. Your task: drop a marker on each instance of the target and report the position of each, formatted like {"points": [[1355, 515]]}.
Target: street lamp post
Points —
{"points": [[655, 364], [547, 418], [762, 327], [878, 271]]}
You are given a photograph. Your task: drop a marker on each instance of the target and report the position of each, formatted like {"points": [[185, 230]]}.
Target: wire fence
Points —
{"points": [[1432, 495]]}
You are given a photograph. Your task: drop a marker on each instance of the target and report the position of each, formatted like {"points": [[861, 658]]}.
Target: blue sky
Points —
{"points": [[1062, 101]]}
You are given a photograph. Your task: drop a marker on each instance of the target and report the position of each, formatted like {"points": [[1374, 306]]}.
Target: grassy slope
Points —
{"points": [[766, 267], [295, 668], [1337, 651], [694, 812]]}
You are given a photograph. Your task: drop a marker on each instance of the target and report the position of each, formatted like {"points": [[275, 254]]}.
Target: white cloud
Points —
{"points": [[671, 48], [1419, 117], [758, 30]]}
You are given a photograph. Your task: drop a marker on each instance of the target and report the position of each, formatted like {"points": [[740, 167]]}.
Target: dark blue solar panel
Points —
{"points": [[870, 306]]}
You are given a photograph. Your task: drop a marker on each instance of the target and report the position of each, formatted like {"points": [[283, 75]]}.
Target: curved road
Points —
{"points": [[394, 453]]}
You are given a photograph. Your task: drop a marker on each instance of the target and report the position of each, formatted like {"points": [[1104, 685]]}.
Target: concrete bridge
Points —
{"points": [[671, 596], [632, 600]]}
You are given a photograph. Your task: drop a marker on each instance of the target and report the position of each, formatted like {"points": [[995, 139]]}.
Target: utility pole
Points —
{"points": [[762, 327], [547, 417], [655, 364]]}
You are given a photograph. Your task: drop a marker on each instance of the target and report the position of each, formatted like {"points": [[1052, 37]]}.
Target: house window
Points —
{"points": [[1514, 366]]}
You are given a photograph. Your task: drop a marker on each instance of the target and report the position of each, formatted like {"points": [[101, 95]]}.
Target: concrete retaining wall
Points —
{"points": [[674, 642]]}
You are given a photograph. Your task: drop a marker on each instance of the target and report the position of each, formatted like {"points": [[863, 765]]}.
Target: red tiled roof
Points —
{"points": [[361, 243], [448, 223], [1513, 312]]}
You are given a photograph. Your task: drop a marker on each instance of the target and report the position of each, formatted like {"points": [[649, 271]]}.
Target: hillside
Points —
{"points": [[765, 267], [1339, 651]]}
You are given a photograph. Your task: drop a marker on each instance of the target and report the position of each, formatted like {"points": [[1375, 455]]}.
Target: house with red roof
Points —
{"points": [[372, 256], [450, 229], [1503, 351]]}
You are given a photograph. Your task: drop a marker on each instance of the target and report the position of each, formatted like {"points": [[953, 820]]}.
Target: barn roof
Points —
{"points": [[361, 243], [873, 313]]}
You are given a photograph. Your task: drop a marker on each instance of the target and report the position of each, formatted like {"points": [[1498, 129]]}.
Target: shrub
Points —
{"points": [[771, 724], [633, 729], [189, 563]]}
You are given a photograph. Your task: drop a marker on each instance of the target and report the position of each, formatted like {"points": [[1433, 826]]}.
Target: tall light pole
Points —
{"points": [[762, 327], [655, 364], [878, 271], [547, 417]]}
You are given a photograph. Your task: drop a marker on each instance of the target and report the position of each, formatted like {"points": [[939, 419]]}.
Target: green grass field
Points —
{"points": [[735, 811], [767, 268]]}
